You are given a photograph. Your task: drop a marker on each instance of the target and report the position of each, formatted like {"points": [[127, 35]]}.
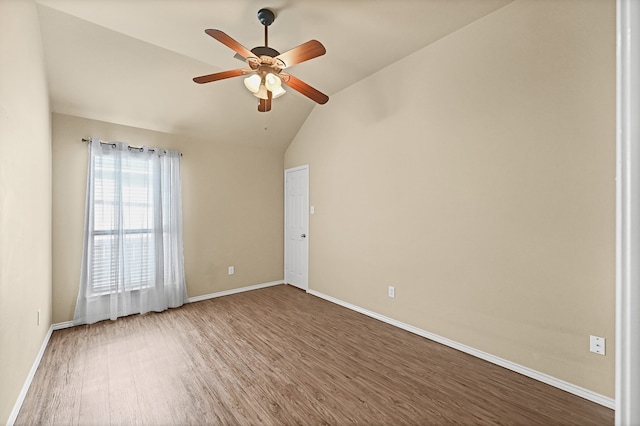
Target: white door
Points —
{"points": [[296, 226]]}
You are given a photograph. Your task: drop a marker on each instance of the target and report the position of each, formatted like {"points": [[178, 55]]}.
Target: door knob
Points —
{"points": [[303, 235]]}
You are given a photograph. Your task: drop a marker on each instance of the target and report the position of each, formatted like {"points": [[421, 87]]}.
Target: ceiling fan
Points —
{"points": [[266, 65]]}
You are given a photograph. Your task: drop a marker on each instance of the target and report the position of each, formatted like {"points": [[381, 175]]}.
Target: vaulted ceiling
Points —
{"points": [[131, 62]]}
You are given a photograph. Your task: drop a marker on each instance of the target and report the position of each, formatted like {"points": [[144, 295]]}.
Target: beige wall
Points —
{"points": [[25, 198], [232, 208], [477, 177]]}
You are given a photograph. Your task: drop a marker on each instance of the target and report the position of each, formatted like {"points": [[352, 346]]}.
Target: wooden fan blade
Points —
{"points": [[265, 104], [221, 75], [305, 89], [230, 43], [304, 52]]}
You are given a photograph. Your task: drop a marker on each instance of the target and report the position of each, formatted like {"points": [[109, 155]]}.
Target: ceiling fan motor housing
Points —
{"points": [[265, 51]]}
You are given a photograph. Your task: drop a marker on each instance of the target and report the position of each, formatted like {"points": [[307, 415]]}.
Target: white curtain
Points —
{"points": [[132, 260]]}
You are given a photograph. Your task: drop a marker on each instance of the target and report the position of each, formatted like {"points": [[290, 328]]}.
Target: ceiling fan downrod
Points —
{"points": [[266, 18]]}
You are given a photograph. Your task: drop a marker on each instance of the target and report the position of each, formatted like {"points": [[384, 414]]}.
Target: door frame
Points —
{"points": [[290, 170], [627, 376]]}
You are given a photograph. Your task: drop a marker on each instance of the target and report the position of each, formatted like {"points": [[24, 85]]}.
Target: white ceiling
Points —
{"points": [[131, 61]]}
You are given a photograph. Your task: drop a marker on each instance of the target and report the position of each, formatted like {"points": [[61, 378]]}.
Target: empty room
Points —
{"points": [[318, 212]]}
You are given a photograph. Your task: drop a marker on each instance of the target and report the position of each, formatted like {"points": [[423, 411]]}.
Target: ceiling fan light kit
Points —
{"points": [[253, 83], [266, 65]]}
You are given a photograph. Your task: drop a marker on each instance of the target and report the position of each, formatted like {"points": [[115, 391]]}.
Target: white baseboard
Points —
{"points": [[67, 324], [526, 371], [27, 383], [61, 325], [233, 291]]}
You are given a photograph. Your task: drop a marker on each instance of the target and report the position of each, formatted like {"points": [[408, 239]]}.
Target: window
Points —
{"points": [[132, 260], [122, 200]]}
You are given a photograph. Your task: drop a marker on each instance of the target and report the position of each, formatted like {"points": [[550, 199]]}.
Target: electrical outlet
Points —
{"points": [[597, 344], [392, 291], [231, 270]]}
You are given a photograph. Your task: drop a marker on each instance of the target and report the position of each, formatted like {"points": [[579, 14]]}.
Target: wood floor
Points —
{"points": [[279, 356]]}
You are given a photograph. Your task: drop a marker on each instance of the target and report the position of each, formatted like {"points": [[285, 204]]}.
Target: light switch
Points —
{"points": [[312, 209]]}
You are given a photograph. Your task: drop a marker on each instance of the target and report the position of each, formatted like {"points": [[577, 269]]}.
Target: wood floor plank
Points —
{"points": [[94, 400], [279, 356]]}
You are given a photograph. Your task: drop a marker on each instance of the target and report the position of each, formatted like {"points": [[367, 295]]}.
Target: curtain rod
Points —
{"points": [[130, 147]]}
